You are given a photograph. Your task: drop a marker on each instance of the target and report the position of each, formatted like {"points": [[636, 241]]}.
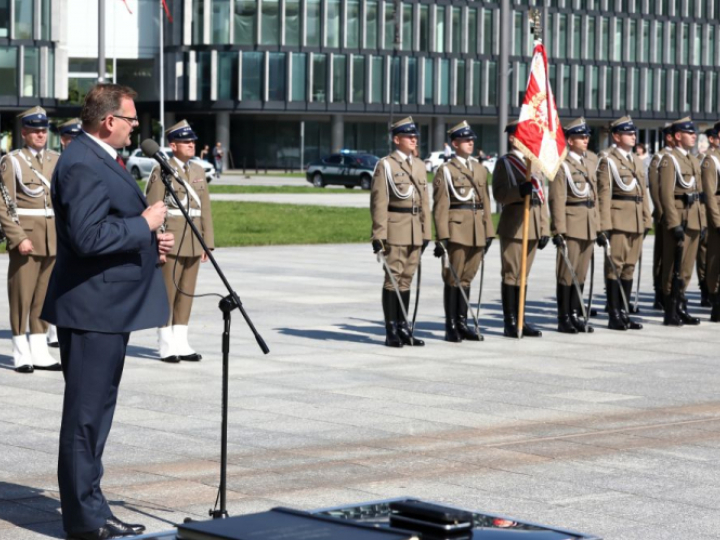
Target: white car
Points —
{"points": [[140, 166], [434, 160]]}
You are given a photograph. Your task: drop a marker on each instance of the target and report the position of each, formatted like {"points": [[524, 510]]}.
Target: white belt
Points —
{"points": [[44, 212], [194, 212]]}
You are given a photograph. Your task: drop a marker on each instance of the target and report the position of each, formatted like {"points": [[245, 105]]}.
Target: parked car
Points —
{"points": [[140, 166], [346, 168], [434, 160]]}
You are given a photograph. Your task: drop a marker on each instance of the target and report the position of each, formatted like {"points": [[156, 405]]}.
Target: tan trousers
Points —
{"points": [[466, 261], [712, 263], [186, 274], [403, 261], [28, 278], [624, 252], [579, 252], [690, 247], [511, 259]]}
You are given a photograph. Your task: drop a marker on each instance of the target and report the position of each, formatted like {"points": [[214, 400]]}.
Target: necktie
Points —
{"points": [[120, 161]]}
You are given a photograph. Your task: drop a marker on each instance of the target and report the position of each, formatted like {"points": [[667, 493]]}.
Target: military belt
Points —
{"points": [[404, 210], [44, 212], [590, 203], [466, 206], [634, 198], [688, 199]]}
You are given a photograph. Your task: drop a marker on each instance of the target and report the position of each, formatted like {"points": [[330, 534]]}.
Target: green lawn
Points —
{"points": [[286, 189]]}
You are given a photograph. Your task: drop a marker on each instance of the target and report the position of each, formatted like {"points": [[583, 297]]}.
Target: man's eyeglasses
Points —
{"points": [[132, 120]]}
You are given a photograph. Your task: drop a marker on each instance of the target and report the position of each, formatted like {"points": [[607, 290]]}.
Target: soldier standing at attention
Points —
{"points": [[68, 131], [400, 209], [701, 259], [183, 262], [684, 221], [624, 216], [710, 170], [28, 219], [575, 223], [463, 224], [654, 185], [510, 188]]}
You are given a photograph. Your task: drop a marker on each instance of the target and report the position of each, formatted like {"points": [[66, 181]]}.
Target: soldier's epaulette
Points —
{"points": [[664, 160], [15, 152]]}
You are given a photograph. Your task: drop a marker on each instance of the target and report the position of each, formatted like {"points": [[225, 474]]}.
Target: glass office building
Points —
{"points": [[256, 73]]}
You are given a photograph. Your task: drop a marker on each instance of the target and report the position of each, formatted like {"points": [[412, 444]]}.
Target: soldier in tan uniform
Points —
{"points": [[701, 259], [710, 170], [401, 229], [624, 216], [68, 131], [684, 220], [463, 224], [183, 263], [510, 188], [654, 185], [575, 223], [27, 217]]}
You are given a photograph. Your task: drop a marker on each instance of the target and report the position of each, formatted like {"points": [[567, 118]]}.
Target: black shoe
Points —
{"points": [[390, 309], [171, 359], [136, 528], [54, 367], [194, 357], [528, 329], [565, 325], [463, 329], [450, 302], [671, 317], [27, 368], [402, 325], [615, 320], [626, 284], [576, 312], [508, 304], [685, 317], [54, 344], [392, 338], [715, 313], [106, 532]]}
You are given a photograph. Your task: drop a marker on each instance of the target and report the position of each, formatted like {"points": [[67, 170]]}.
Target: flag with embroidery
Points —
{"points": [[539, 135]]}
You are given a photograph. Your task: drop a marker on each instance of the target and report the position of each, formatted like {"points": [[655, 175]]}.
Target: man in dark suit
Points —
{"points": [[106, 283]]}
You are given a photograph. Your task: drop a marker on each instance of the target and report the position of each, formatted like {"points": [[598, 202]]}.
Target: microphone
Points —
{"points": [[152, 149]]}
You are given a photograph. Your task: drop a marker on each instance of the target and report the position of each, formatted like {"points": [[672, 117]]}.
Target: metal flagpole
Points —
{"points": [[101, 41], [162, 76]]}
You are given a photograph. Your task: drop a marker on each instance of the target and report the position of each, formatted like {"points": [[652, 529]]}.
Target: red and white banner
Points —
{"points": [[539, 135]]}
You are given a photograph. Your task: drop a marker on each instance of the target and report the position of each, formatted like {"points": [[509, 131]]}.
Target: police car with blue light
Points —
{"points": [[347, 168]]}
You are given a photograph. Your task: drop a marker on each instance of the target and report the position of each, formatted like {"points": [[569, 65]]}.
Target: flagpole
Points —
{"points": [[523, 260], [162, 78]]}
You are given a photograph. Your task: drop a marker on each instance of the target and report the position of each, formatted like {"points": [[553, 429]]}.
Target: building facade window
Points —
{"points": [[270, 22], [591, 42], [277, 68], [439, 29], [244, 21], [31, 72], [312, 23], [299, 77], [23, 19], [221, 21], [45, 19], [424, 29], [252, 76], [412, 81], [476, 83], [332, 25], [444, 81], [198, 21], [227, 75], [492, 84], [488, 30], [407, 27], [389, 25], [319, 78], [352, 30], [339, 78], [358, 79], [376, 94], [204, 75], [5, 18], [292, 23], [456, 30], [371, 25], [472, 42], [460, 83], [429, 82]]}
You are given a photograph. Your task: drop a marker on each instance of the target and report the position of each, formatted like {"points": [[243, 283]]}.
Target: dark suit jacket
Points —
{"points": [[106, 277]]}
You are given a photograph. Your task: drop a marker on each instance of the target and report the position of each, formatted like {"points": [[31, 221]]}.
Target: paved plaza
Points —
{"points": [[611, 433]]}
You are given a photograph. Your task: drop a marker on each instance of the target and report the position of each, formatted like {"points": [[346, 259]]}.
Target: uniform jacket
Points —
{"points": [[674, 211], [464, 227], [573, 220], [622, 215], [506, 192], [400, 229], [654, 183], [201, 213], [106, 277], [39, 229], [710, 185]]}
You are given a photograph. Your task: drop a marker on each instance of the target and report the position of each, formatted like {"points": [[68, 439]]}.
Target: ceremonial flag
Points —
{"points": [[167, 10], [539, 135], [126, 5]]}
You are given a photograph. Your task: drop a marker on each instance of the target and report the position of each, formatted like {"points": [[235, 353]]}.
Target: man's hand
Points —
{"points": [[543, 242], [439, 251], [166, 241], [601, 239], [204, 257], [155, 215], [526, 188], [488, 243], [26, 247], [679, 233], [378, 246], [558, 240]]}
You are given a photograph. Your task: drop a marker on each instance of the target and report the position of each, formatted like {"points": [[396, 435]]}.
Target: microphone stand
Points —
{"points": [[227, 305]]}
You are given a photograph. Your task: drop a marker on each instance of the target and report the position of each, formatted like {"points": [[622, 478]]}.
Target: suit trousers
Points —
{"points": [[511, 259], [466, 261], [28, 277], [689, 254], [624, 252], [579, 252], [92, 364], [186, 273], [403, 261], [712, 262]]}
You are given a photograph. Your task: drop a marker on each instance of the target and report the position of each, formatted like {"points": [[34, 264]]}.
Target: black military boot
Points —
{"points": [[659, 301], [402, 326], [389, 303], [715, 313], [528, 329], [671, 317], [509, 303], [465, 331], [627, 284], [450, 298], [576, 311], [704, 296], [615, 321], [682, 312], [565, 325]]}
